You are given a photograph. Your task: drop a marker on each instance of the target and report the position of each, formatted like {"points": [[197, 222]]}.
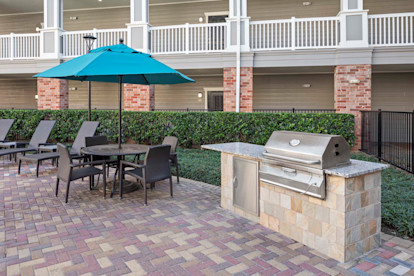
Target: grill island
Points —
{"points": [[306, 187]]}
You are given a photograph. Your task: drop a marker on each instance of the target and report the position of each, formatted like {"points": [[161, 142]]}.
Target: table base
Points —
{"points": [[129, 187]]}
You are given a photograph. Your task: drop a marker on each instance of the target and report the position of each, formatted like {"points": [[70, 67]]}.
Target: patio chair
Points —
{"points": [[87, 129], [68, 172], [156, 167], [101, 140], [5, 125], [173, 141], [39, 138]]}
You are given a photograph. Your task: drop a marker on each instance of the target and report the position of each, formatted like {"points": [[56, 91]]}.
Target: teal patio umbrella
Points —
{"points": [[116, 64]]}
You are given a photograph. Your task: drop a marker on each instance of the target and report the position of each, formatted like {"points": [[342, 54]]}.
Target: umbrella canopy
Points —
{"points": [[119, 64], [107, 63]]}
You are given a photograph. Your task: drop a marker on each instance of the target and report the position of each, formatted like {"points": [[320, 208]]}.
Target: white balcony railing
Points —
{"points": [[19, 46], [391, 29], [74, 44], [188, 38], [303, 33]]}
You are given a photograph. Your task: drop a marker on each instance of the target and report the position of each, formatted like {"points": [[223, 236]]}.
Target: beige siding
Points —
{"points": [[387, 6], [99, 19], [185, 95], [286, 91], [104, 95], [20, 23], [393, 92], [18, 94]]}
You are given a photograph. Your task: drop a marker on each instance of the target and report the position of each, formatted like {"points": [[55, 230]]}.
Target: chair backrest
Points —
{"points": [[157, 161], [96, 141], [87, 129], [172, 141], [5, 125], [41, 134], [65, 161]]}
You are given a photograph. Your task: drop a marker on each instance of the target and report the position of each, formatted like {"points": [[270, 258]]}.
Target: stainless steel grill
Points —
{"points": [[296, 160]]}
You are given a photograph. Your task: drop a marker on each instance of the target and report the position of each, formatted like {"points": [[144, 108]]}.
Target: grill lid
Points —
{"points": [[318, 151]]}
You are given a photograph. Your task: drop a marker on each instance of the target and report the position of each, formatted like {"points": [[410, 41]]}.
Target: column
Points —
{"points": [[354, 24], [246, 89], [238, 8], [353, 93], [138, 29], [50, 35], [139, 97], [53, 94]]}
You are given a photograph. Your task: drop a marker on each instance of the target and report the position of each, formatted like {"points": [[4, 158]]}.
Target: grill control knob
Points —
{"points": [[294, 142]]}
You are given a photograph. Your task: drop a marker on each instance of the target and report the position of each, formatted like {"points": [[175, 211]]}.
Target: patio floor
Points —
{"points": [[187, 235]]}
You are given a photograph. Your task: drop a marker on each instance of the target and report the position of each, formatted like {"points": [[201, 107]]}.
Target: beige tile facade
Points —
{"points": [[345, 225]]}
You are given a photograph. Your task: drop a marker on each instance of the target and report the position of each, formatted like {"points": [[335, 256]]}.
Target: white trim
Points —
{"points": [[207, 14], [210, 89]]}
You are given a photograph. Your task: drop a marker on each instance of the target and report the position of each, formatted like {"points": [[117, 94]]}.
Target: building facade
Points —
{"points": [[245, 55]]}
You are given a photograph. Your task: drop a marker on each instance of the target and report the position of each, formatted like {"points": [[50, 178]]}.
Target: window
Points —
{"points": [[214, 99]]}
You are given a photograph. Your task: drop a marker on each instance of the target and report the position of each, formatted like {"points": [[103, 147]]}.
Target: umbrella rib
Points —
{"points": [[143, 75]]}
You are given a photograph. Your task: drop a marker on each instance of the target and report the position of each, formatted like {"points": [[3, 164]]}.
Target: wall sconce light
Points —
{"points": [[355, 81], [73, 18], [307, 4], [36, 97], [200, 95], [307, 85], [73, 88], [201, 20]]}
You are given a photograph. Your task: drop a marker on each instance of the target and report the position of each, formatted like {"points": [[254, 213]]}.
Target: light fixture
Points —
{"points": [[89, 41], [307, 85], [200, 95], [73, 18], [36, 97], [307, 3], [99, 0], [201, 19], [355, 81], [73, 88]]}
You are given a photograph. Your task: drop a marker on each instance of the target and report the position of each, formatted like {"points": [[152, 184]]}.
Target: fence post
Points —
{"points": [[293, 110], [12, 43], [187, 38], [412, 142], [293, 33], [379, 134]]}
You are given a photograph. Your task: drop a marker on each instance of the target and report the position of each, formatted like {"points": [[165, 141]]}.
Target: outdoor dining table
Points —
{"points": [[120, 153]]}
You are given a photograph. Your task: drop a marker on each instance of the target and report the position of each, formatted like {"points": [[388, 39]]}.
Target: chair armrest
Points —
{"points": [[88, 163], [47, 144], [134, 165], [4, 141], [20, 144]]}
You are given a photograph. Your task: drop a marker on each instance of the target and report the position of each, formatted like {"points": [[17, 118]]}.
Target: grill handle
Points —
{"points": [[275, 156]]}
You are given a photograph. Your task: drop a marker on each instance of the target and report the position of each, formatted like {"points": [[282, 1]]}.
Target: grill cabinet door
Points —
{"points": [[246, 185]]}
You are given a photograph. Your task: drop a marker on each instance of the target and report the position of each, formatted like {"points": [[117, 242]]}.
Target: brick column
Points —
{"points": [[353, 97], [53, 94], [246, 89], [139, 97]]}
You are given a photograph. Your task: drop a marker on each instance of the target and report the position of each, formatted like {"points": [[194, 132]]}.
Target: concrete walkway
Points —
{"points": [[187, 235]]}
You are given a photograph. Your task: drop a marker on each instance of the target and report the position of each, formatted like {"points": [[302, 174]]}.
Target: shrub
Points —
{"points": [[191, 128]]}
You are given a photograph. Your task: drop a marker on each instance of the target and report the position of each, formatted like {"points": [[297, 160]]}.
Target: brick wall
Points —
{"points": [[352, 98], [139, 97], [53, 94], [246, 89]]}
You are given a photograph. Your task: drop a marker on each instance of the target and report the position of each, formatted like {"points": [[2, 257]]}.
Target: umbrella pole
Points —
{"points": [[120, 113], [90, 100]]}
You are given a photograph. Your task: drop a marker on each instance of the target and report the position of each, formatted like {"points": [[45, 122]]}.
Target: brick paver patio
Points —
{"points": [[187, 235]]}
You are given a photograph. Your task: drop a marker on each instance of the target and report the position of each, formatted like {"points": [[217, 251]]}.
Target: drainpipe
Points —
{"points": [[238, 57]]}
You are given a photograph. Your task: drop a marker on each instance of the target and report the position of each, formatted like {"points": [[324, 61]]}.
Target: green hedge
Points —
{"points": [[192, 128]]}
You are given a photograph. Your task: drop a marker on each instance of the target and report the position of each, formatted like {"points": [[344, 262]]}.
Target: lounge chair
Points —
{"points": [[156, 167], [5, 125], [39, 138], [87, 129], [67, 171]]}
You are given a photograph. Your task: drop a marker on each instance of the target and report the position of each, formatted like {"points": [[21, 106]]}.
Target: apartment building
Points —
{"points": [[245, 55]]}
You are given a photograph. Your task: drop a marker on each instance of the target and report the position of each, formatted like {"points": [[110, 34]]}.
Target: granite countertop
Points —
{"points": [[356, 168]]}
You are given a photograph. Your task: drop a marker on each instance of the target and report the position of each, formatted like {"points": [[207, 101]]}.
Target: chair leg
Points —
{"points": [[171, 187], [20, 165], [121, 183], [37, 168], [57, 185], [104, 179], [178, 175], [145, 194], [67, 191]]}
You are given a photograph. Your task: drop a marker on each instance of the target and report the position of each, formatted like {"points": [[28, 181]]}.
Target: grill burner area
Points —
{"points": [[296, 160]]}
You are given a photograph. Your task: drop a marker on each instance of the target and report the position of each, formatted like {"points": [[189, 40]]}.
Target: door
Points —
{"points": [[216, 35], [215, 101], [246, 185]]}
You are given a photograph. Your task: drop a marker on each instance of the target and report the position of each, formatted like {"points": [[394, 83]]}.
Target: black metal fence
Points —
{"points": [[295, 110], [388, 135]]}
